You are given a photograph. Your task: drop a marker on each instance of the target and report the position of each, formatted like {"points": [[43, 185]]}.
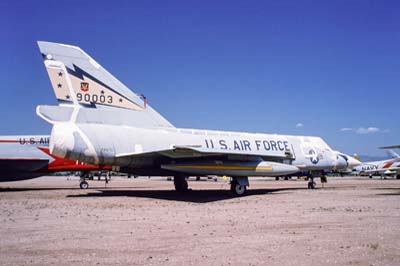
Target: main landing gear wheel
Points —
{"points": [[181, 185], [237, 189], [84, 185]]}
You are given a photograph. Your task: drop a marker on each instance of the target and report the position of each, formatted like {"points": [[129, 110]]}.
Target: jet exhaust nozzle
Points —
{"points": [[61, 140]]}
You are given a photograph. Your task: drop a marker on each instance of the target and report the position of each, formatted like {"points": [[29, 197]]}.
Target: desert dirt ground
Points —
{"points": [[50, 221]]}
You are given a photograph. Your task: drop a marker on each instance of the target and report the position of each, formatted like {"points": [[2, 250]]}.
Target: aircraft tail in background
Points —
{"points": [[392, 154], [356, 156]]}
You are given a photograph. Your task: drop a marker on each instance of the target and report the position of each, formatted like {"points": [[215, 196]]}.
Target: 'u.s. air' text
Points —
{"points": [[247, 145]]}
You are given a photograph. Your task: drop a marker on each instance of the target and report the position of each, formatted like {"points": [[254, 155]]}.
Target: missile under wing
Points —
{"points": [[100, 121]]}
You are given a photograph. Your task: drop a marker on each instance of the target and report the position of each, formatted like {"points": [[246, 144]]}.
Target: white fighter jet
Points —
{"points": [[389, 167], [100, 121]]}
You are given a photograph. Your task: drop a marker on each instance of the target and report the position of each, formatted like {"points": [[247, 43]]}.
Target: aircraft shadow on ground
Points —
{"points": [[392, 191], [21, 189], [194, 196]]}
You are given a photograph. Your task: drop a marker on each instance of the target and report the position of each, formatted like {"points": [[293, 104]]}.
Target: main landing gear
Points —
{"points": [[181, 184], [239, 185]]}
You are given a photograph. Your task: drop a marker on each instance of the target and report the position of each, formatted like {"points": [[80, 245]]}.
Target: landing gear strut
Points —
{"points": [[181, 185]]}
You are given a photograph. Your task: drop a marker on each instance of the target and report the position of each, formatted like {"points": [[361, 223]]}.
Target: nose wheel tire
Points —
{"points": [[84, 185], [312, 185]]}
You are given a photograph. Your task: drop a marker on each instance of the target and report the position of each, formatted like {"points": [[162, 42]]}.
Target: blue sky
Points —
{"points": [[326, 68]]}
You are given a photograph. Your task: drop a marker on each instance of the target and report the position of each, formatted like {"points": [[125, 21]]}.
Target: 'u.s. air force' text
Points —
{"points": [[246, 145]]}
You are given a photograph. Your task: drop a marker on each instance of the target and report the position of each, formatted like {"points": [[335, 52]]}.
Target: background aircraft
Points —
{"points": [[100, 121], [26, 157], [389, 167], [391, 147]]}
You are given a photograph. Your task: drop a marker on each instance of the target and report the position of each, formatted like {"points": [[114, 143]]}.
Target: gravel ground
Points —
{"points": [[50, 221]]}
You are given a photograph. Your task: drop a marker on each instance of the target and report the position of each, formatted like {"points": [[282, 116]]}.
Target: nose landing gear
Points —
{"points": [[83, 184], [312, 185], [311, 182]]}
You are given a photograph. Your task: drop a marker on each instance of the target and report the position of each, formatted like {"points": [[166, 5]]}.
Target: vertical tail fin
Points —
{"points": [[77, 79], [355, 155], [392, 154]]}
